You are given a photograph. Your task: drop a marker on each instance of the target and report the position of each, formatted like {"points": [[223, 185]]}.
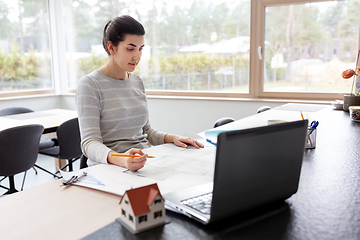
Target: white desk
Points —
{"points": [[50, 119]]}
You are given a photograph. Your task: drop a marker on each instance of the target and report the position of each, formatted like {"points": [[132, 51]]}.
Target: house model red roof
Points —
{"points": [[141, 198]]}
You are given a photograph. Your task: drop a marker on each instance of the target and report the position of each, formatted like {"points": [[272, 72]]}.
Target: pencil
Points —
{"points": [[126, 155], [302, 116]]}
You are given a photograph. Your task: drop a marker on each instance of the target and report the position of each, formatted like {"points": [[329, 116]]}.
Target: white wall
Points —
{"points": [[188, 116], [36, 103], [178, 116]]}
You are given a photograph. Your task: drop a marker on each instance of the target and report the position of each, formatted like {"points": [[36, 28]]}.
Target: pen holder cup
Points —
{"points": [[310, 139]]}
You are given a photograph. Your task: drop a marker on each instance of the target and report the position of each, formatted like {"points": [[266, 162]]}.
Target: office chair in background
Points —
{"points": [[14, 110], [44, 143], [226, 120], [223, 121], [18, 152], [83, 161], [263, 109], [68, 145]]}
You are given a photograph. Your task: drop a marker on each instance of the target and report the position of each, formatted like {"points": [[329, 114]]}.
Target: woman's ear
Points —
{"points": [[111, 47]]}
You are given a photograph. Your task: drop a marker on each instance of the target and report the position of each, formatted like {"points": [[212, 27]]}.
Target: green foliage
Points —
{"points": [[22, 69], [184, 63], [88, 64]]}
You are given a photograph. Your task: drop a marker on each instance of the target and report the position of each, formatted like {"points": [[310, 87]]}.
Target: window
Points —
{"points": [[83, 28], [292, 49], [126, 202], [25, 57], [191, 46], [306, 46], [131, 219], [157, 201], [158, 214], [123, 212], [143, 218]]}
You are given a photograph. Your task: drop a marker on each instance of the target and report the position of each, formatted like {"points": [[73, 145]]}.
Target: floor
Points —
{"points": [[32, 179]]}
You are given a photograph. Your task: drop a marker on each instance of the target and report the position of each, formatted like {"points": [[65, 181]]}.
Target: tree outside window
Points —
{"points": [[25, 59]]}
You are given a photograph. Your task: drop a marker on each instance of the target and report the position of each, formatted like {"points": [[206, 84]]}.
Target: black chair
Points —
{"points": [[68, 138], [83, 161], [263, 109], [14, 110], [18, 110], [18, 152], [44, 143], [223, 121]]}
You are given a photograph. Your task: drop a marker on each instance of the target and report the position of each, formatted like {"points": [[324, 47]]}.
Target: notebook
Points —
{"points": [[253, 167]]}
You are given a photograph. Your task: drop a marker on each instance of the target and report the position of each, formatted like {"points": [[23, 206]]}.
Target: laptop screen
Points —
{"points": [[257, 166]]}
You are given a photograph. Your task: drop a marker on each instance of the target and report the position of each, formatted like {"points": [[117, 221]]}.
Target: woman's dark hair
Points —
{"points": [[116, 29]]}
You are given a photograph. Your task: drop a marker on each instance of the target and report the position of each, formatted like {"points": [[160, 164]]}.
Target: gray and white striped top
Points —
{"points": [[113, 115]]}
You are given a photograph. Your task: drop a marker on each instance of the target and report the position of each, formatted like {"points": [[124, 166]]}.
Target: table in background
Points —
{"points": [[50, 119], [326, 206]]}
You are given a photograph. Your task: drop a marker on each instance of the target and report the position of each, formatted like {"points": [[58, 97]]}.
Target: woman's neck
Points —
{"points": [[111, 70]]}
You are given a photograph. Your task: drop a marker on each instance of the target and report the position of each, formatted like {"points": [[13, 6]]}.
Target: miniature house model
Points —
{"points": [[142, 208]]}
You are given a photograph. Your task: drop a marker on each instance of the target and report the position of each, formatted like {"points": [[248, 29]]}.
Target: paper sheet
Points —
{"points": [[173, 168]]}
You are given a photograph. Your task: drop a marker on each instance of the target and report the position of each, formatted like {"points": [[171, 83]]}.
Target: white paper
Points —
{"points": [[172, 168]]}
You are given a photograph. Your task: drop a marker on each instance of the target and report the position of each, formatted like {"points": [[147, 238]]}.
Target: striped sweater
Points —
{"points": [[113, 115]]}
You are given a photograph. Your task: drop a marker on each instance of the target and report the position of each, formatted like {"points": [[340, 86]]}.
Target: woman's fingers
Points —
{"points": [[135, 163], [185, 142], [134, 151]]}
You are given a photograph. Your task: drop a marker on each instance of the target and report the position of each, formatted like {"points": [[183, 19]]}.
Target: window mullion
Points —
{"points": [[257, 36], [57, 38]]}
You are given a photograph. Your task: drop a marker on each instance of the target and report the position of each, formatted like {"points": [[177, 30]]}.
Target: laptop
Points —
{"points": [[253, 167]]}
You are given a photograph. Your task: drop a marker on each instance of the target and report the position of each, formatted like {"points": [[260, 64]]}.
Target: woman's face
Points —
{"points": [[128, 52]]}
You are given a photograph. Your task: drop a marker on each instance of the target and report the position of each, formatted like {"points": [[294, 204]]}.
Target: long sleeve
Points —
{"points": [[89, 110], [155, 137]]}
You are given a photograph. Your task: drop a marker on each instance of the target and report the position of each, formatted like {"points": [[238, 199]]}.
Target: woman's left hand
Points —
{"points": [[184, 142]]}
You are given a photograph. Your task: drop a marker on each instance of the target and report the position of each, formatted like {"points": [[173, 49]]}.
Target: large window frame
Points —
{"points": [[257, 40], [257, 29], [256, 92]]}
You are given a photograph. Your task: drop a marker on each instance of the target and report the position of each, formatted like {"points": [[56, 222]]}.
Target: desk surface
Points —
{"points": [[50, 119], [53, 212], [326, 206]]}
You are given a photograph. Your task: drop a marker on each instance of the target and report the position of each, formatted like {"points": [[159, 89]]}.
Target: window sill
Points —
{"points": [[263, 100], [27, 94]]}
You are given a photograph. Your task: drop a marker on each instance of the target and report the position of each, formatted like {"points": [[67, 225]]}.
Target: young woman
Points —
{"points": [[112, 105]]}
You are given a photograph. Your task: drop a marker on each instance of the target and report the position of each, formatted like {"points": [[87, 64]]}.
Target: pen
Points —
{"points": [[209, 141], [313, 126], [127, 155]]}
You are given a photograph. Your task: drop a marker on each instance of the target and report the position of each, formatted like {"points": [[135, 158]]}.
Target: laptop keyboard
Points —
{"points": [[200, 203]]}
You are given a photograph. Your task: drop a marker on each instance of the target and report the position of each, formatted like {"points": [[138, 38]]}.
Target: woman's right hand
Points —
{"points": [[131, 163]]}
